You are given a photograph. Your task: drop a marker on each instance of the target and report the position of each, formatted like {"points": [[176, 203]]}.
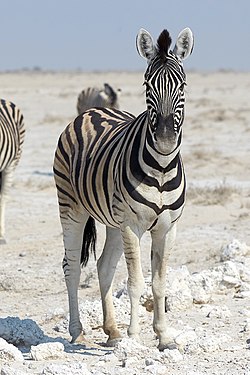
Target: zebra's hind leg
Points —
{"points": [[5, 184], [162, 244], [106, 266], [73, 227]]}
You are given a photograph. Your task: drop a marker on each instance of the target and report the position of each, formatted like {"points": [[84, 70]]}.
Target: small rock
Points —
{"points": [[50, 350], [20, 332], [246, 325], [149, 362], [172, 355], [219, 312], [6, 369], [157, 369], [179, 296], [9, 352], [185, 338], [245, 312], [213, 343], [209, 344], [243, 291], [129, 348], [201, 287], [234, 250]]}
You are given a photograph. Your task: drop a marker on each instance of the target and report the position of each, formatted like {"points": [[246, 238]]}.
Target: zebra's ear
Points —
{"points": [[184, 44], [145, 45]]}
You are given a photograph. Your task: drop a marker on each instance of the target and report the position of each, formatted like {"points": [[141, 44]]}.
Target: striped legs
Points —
{"points": [[5, 184], [106, 266], [131, 243], [73, 228], [162, 243]]}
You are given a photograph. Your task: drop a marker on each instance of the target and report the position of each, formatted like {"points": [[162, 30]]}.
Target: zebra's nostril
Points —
{"points": [[165, 127]]}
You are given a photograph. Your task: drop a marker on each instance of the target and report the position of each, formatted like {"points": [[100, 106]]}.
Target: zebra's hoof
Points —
{"points": [[111, 343], [2, 241], [79, 339]]}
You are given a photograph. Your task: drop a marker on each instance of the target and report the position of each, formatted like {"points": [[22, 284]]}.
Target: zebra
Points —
{"points": [[93, 97], [12, 132], [127, 173]]}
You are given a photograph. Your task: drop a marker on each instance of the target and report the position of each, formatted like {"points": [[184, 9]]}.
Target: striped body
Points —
{"points": [[127, 173], [11, 141], [94, 97], [129, 180]]}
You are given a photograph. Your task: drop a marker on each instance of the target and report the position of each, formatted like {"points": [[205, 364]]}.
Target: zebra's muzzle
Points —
{"points": [[165, 130]]}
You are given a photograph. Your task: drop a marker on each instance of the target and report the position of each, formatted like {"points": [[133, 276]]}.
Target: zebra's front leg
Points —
{"points": [[72, 236], [131, 243], [162, 243], [106, 266]]}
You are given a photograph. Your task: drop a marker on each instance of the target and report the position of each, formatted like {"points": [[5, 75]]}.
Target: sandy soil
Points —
{"points": [[216, 148]]}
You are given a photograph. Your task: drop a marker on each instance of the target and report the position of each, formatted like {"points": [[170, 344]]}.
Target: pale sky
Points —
{"points": [[100, 35]]}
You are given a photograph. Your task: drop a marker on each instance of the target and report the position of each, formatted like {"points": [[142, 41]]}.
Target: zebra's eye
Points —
{"points": [[147, 85], [182, 86]]}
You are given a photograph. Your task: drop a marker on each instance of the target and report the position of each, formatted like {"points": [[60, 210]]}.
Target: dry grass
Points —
{"points": [[211, 195]]}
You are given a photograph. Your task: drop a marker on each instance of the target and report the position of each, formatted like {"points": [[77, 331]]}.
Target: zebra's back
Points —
{"points": [[95, 97]]}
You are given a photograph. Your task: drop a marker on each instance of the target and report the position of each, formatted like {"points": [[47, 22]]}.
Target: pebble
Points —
{"points": [[50, 350], [219, 312], [234, 250], [173, 355], [185, 338]]}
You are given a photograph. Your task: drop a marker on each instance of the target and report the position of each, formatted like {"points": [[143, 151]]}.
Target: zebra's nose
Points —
{"points": [[165, 126]]}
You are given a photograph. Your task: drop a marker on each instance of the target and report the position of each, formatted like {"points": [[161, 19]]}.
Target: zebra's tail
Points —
{"points": [[88, 242]]}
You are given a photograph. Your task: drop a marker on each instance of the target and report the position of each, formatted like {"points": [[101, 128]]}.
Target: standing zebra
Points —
{"points": [[127, 173], [93, 97], [11, 140]]}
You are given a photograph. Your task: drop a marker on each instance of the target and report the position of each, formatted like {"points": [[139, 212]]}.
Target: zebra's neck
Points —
{"points": [[144, 159]]}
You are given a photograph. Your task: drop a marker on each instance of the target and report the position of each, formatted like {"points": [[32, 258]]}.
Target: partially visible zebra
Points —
{"points": [[93, 97], [11, 140], [127, 173]]}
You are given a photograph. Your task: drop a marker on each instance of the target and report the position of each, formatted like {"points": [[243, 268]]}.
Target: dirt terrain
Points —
{"points": [[34, 306]]}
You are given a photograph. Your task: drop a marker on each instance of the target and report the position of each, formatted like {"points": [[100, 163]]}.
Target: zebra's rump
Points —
{"points": [[12, 133]]}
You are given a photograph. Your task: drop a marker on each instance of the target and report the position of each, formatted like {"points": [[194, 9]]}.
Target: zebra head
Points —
{"points": [[165, 80]]}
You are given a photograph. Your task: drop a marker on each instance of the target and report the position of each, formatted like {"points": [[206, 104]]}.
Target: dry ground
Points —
{"points": [[216, 148]]}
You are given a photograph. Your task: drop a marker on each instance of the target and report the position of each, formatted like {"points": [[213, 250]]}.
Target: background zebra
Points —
{"points": [[11, 141], [127, 173], [93, 97]]}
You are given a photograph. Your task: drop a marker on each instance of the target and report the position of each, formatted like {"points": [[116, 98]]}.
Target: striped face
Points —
{"points": [[165, 99]]}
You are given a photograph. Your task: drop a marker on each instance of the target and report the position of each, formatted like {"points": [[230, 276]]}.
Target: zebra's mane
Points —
{"points": [[163, 43]]}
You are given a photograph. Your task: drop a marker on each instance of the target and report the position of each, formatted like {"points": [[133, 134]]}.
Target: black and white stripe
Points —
{"points": [[95, 97], [127, 173], [11, 141]]}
